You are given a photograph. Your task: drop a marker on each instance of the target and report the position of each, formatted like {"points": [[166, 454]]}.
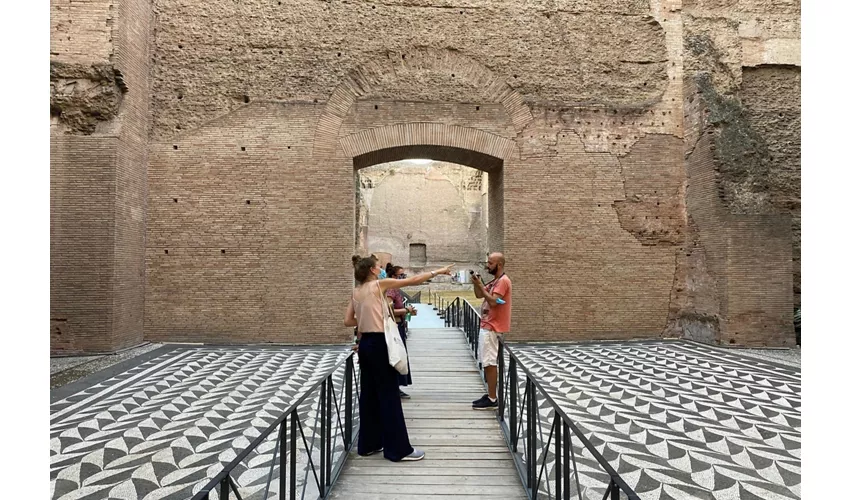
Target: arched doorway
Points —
{"points": [[492, 205]]}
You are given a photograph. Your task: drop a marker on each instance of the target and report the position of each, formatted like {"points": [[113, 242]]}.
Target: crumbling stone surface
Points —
{"points": [[757, 138], [713, 47], [743, 159], [209, 57], [694, 296], [770, 96], [84, 96], [744, 56], [653, 210]]}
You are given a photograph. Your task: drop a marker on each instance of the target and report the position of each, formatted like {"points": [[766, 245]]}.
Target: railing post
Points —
{"points": [[349, 381], [321, 415], [530, 438], [501, 389], [282, 475], [615, 490], [475, 337], [293, 455], [329, 413], [568, 448], [225, 488], [512, 374], [557, 425]]}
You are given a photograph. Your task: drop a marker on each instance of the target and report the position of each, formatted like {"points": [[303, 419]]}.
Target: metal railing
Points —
{"points": [[461, 314], [331, 406], [544, 471]]}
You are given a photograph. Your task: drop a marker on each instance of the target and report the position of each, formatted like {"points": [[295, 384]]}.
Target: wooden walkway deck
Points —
{"points": [[465, 454]]}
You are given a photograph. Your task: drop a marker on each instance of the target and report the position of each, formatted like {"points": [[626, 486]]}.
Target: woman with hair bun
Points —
{"points": [[382, 426]]}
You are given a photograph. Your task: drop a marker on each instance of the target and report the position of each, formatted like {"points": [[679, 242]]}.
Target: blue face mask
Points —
{"points": [[382, 275]]}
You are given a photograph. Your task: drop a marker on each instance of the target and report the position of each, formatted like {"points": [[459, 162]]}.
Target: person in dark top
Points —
{"points": [[400, 311]]}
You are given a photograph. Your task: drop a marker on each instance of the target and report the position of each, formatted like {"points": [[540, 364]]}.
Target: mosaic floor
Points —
{"points": [[163, 428], [677, 420]]}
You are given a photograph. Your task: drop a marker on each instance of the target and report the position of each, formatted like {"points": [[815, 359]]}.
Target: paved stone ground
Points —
{"points": [[789, 357], [161, 425], [64, 370], [676, 419]]}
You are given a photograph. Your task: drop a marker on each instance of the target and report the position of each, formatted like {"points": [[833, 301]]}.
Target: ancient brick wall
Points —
{"points": [[627, 204], [248, 240], [81, 242], [99, 145], [593, 276], [132, 57], [748, 256], [746, 64], [743, 163]]}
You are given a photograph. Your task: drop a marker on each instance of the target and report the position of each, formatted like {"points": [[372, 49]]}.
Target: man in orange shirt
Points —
{"points": [[495, 322]]}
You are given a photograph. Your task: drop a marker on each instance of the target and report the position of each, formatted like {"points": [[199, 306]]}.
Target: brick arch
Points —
{"points": [[372, 75], [437, 141]]}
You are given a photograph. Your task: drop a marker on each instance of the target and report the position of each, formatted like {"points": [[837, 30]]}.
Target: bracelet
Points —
{"points": [[432, 274]]}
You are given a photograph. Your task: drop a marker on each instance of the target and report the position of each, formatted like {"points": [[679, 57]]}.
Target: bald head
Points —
{"points": [[495, 263], [499, 256]]}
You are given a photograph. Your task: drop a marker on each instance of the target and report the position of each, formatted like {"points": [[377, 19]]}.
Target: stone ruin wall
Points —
{"points": [[256, 108], [440, 205], [100, 74], [742, 156]]}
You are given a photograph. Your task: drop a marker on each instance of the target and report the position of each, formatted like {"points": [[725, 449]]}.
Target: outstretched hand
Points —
{"points": [[445, 270]]}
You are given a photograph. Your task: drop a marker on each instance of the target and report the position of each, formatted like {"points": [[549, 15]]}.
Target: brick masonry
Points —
{"points": [[203, 170], [98, 173]]}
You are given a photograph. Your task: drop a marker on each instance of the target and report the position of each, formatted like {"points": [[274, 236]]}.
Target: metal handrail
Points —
{"points": [[460, 313], [329, 471]]}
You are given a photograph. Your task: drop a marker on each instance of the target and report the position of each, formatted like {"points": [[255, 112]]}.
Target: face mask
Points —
{"points": [[383, 274]]}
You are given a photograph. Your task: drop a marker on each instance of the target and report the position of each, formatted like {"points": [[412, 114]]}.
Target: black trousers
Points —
{"points": [[404, 379], [381, 417]]}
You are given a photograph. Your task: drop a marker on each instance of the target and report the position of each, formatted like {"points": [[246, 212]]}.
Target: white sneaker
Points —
{"points": [[416, 455]]}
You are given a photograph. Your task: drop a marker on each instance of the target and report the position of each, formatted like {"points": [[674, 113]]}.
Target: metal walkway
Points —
{"points": [[465, 453]]}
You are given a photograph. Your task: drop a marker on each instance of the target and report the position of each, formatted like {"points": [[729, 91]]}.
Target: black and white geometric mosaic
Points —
{"points": [[162, 429], [677, 420]]}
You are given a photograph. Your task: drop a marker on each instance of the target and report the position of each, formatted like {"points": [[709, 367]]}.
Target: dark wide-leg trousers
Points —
{"points": [[381, 416]]}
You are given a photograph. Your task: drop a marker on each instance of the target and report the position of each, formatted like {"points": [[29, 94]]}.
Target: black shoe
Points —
{"points": [[403, 395], [485, 403], [373, 452]]}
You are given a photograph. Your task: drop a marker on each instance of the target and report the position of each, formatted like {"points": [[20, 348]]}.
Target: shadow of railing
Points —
{"points": [[542, 439], [310, 443]]}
